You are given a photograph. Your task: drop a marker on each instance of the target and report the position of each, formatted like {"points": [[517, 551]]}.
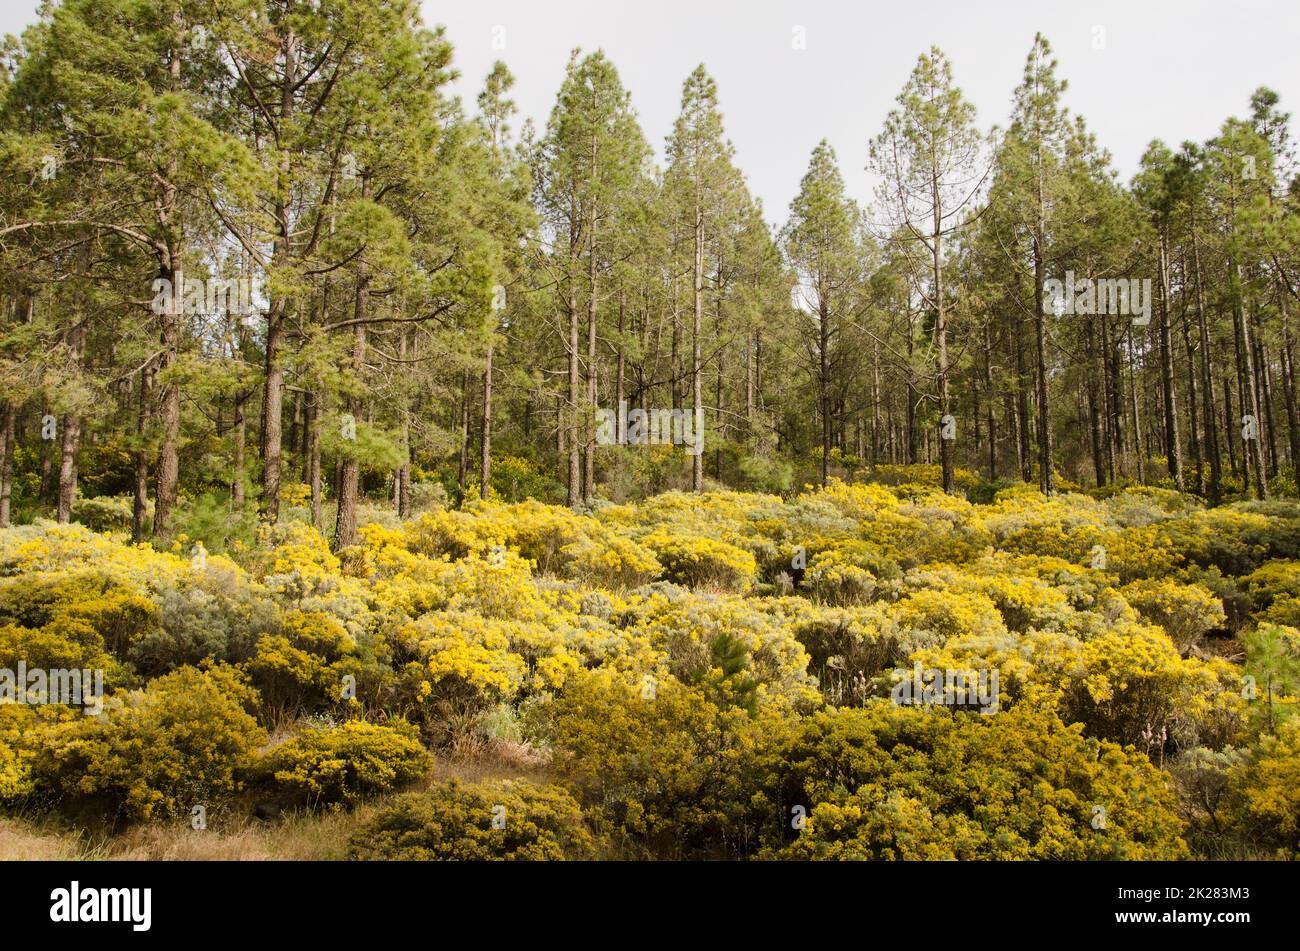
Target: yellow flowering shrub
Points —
{"points": [[344, 764], [553, 538], [651, 768], [689, 632], [1020, 785], [1021, 601], [835, 577], [17, 725], [1235, 538], [699, 561], [187, 739], [1186, 612], [860, 501], [932, 614], [1133, 687], [1129, 684], [473, 822], [293, 558], [917, 474], [302, 667], [610, 561], [1274, 590], [844, 644], [1065, 526]]}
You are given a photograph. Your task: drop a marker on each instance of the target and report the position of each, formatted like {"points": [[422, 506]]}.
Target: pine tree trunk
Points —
{"points": [[402, 477], [168, 475], [910, 411], [823, 401], [1250, 393], [140, 503], [1137, 412], [620, 376], [697, 384], [1193, 408], [273, 387], [462, 429], [749, 386], [1228, 427], [71, 426], [345, 524], [1094, 407], [1046, 476], [1214, 487], [1024, 458], [1173, 442], [240, 431], [485, 467], [8, 421], [574, 443], [313, 460], [941, 335]]}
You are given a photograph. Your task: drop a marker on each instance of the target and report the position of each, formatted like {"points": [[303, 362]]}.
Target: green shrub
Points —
{"points": [[838, 577], [766, 473], [196, 625], [652, 768], [492, 821], [107, 513], [1266, 792], [1273, 659]]}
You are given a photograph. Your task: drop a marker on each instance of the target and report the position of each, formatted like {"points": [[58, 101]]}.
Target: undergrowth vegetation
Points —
{"points": [[699, 676]]}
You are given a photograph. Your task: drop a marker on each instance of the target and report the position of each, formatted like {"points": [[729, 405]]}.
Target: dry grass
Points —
{"points": [[299, 837], [21, 840], [302, 836]]}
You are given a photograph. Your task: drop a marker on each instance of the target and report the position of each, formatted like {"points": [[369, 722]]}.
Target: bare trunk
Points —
{"points": [[485, 468], [8, 420], [697, 460], [1250, 393], [168, 476], [345, 524], [273, 389], [71, 425], [1213, 489], [140, 503], [313, 459], [1169, 394], [240, 435], [571, 417]]}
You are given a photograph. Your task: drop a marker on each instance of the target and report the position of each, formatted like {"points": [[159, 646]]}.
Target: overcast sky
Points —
{"points": [[1137, 69]]}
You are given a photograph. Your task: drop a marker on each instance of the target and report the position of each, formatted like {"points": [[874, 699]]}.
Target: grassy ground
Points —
{"points": [[304, 836]]}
